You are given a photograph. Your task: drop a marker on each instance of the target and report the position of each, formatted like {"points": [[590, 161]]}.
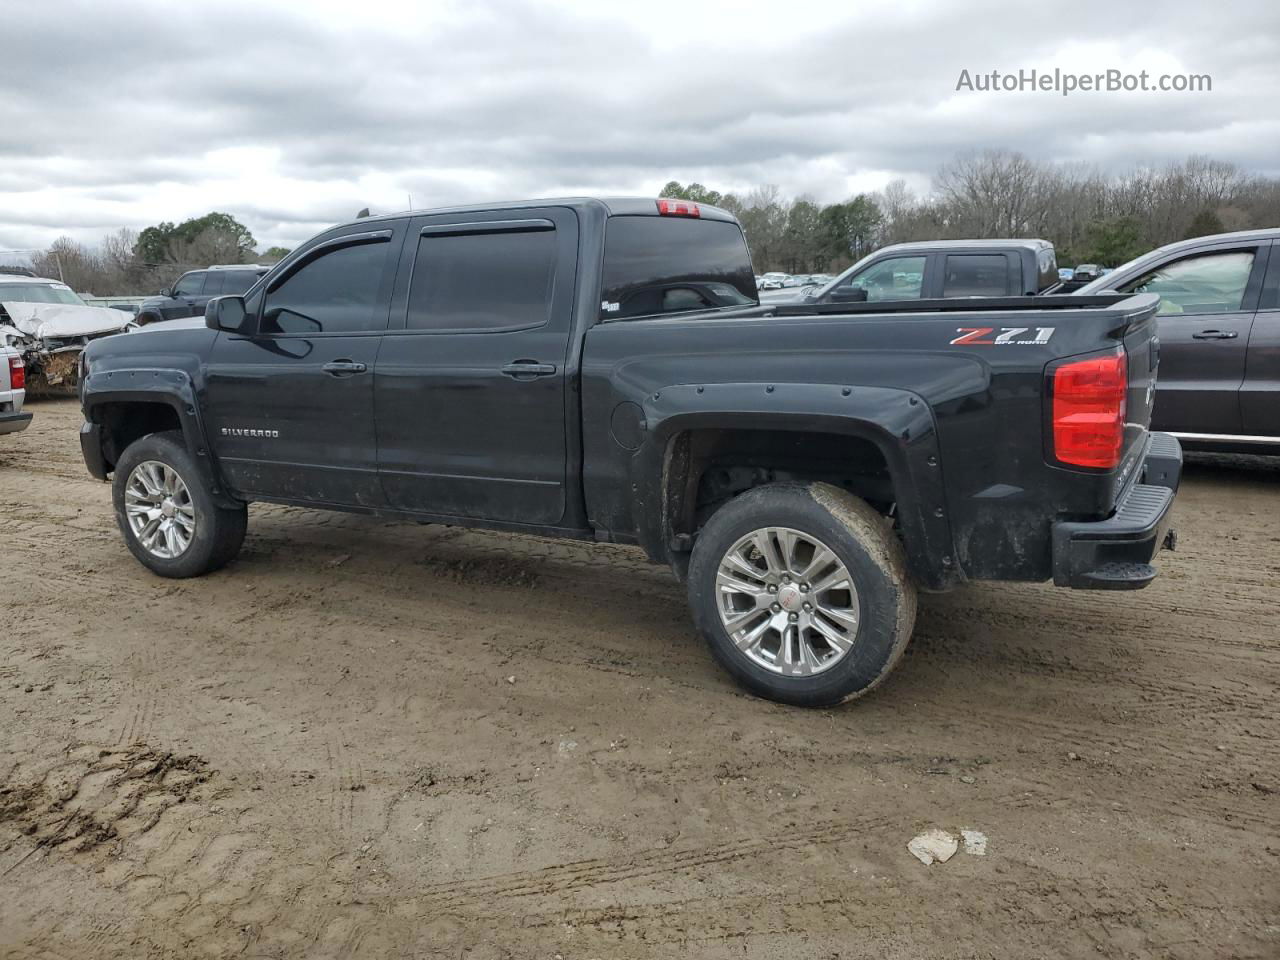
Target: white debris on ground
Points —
{"points": [[939, 846], [933, 846], [975, 842]]}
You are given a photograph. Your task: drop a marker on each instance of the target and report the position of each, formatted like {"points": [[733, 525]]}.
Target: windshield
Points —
{"points": [[39, 293], [659, 265]]}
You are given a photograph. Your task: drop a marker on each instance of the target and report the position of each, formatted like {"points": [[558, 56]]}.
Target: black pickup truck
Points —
{"points": [[601, 370]]}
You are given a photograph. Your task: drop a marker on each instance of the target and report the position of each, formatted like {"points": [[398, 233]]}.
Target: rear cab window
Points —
{"points": [[662, 265]]}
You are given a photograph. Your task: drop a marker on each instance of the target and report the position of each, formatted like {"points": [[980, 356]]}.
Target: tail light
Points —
{"points": [[678, 208], [1089, 410], [17, 374]]}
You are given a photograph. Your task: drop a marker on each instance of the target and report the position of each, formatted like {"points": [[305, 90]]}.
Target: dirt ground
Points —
{"points": [[367, 739]]}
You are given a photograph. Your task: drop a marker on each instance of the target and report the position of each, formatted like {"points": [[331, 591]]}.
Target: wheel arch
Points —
{"points": [[123, 406], [895, 426]]}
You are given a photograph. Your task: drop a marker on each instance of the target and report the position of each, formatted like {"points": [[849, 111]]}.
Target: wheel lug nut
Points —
{"points": [[793, 617], [804, 588], [773, 588], [775, 608], [808, 607]]}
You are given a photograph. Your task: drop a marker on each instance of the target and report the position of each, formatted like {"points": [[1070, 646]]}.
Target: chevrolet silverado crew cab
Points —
{"points": [[601, 370]]}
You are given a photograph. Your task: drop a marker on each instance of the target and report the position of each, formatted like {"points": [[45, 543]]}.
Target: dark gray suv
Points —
{"points": [[194, 289]]}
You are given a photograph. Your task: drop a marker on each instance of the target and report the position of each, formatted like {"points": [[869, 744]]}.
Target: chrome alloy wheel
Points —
{"points": [[787, 601], [158, 506]]}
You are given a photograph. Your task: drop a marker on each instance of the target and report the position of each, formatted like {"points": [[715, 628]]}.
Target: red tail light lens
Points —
{"points": [[17, 374], [1089, 410], [678, 208]]}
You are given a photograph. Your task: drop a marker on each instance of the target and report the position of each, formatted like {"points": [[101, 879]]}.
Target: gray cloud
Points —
{"points": [[291, 119]]}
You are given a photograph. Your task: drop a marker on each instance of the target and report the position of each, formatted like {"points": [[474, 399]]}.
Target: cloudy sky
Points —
{"points": [[294, 116]]}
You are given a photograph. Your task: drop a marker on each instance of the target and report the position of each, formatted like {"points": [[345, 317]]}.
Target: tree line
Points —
{"points": [[142, 262], [1089, 216]]}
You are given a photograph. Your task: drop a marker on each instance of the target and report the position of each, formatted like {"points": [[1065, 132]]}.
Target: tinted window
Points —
{"points": [[482, 281], [655, 265], [189, 285], [238, 281], [898, 278], [337, 292], [213, 283], [1209, 283], [976, 275]]}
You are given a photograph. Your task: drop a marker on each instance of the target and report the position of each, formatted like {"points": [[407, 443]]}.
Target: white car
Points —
{"points": [[12, 391], [49, 325]]}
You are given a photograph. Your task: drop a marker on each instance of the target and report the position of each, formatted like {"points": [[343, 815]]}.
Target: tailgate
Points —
{"points": [[1142, 347]]}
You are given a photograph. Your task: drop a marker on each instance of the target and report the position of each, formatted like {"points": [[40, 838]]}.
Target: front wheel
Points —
{"points": [[166, 512], [802, 592]]}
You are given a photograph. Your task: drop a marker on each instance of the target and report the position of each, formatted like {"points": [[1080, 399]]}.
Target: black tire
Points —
{"points": [[861, 539], [219, 531]]}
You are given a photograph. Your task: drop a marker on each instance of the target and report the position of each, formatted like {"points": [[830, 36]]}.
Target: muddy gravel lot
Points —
{"points": [[368, 739]]}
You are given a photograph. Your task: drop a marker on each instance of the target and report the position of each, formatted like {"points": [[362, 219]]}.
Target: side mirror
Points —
{"points": [[166, 291], [225, 313], [849, 294]]}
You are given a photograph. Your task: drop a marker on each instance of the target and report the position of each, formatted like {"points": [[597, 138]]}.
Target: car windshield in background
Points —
{"points": [[657, 265], [39, 293]]}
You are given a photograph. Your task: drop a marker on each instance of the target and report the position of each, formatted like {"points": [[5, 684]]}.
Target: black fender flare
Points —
{"points": [[172, 388], [899, 423]]}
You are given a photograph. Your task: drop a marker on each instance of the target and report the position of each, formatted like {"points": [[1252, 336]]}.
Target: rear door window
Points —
{"points": [[213, 283], [500, 279], [238, 281], [977, 275]]}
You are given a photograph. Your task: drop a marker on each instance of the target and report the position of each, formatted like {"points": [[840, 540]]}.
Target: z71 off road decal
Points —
{"points": [[982, 335]]}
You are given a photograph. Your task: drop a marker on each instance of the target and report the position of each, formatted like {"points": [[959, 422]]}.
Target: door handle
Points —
{"points": [[1215, 335], [528, 369], [340, 368]]}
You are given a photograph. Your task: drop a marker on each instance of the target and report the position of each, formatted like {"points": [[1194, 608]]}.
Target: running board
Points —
{"points": [[1225, 438]]}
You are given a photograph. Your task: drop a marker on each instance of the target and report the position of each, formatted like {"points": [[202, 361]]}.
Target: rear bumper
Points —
{"points": [[14, 422], [1116, 553], [91, 449]]}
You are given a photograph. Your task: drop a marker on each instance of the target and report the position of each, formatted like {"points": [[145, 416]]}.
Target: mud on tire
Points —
{"points": [[854, 637]]}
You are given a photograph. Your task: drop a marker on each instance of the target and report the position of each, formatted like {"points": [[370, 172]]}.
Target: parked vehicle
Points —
{"points": [[48, 324], [195, 288], [1087, 272], [12, 391], [1219, 324], [943, 269], [540, 367]]}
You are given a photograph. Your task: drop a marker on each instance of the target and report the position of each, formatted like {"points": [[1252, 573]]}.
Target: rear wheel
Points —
{"points": [[166, 511], [802, 592]]}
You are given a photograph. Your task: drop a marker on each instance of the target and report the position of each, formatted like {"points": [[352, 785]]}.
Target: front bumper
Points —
{"points": [[1116, 553], [14, 422]]}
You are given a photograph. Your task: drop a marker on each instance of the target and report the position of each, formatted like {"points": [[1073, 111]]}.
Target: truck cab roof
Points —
{"points": [[609, 206]]}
